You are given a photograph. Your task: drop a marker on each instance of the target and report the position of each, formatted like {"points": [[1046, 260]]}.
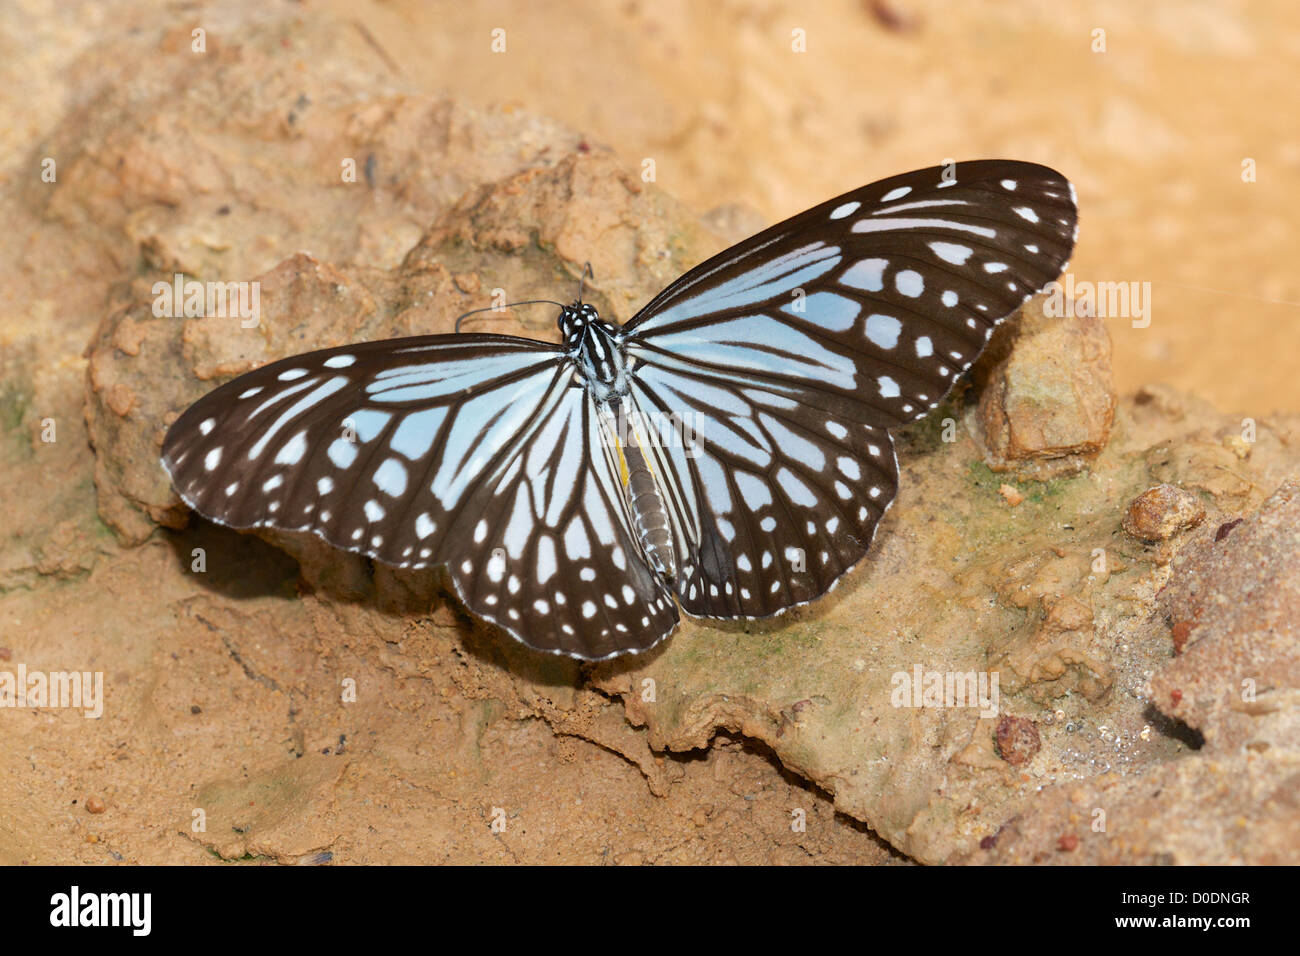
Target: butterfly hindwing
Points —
{"points": [[555, 559], [778, 500]]}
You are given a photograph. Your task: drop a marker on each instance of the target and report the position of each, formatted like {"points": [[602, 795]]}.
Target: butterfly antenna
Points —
{"points": [[586, 271], [509, 305]]}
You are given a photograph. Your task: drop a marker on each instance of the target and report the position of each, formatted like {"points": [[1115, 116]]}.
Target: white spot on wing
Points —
{"points": [[293, 450], [909, 224], [909, 283], [952, 252], [546, 564], [828, 310], [883, 330], [795, 489], [390, 478], [342, 452], [496, 567], [865, 274]]}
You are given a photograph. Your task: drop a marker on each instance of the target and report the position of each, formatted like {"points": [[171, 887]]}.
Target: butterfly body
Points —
{"points": [[726, 451], [602, 368]]}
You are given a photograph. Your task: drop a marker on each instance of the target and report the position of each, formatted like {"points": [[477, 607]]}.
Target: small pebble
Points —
{"points": [[1011, 494], [1161, 512], [1225, 529], [1017, 740], [95, 805]]}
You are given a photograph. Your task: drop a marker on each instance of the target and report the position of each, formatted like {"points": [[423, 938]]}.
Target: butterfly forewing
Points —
{"points": [[344, 441], [882, 296]]}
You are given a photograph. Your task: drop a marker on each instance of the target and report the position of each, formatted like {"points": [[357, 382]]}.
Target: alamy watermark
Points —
{"points": [[653, 429], [184, 298], [922, 688], [1105, 300], [78, 690]]}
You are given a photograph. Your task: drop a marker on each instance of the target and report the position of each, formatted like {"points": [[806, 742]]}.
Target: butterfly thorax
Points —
{"points": [[593, 345]]}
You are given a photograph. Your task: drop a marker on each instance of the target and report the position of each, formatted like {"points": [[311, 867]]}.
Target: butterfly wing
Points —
{"points": [[475, 452], [769, 502], [792, 353]]}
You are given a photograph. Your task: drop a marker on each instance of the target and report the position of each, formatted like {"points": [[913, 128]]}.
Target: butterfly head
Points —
{"points": [[577, 320], [596, 350]]}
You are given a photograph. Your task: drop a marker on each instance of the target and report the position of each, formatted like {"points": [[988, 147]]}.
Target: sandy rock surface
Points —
{"points": [[1124, 565], [1051, 594]]}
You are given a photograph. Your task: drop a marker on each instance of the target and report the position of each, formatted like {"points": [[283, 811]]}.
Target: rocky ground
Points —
{"points": [[1124, 561]]}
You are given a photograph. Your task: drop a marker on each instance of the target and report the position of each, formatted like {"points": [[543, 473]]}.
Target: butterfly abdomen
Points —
{"points": [[649, 513]]}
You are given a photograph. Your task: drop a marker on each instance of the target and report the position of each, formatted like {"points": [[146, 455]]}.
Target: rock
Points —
{"points": [[1237, 600], [1046, 408], [1232, 700], [1017, 740], [1161, 512], [1062, 653]]}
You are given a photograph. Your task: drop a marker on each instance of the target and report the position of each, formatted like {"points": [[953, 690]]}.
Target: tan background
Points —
{"points": [[1153, 131]]}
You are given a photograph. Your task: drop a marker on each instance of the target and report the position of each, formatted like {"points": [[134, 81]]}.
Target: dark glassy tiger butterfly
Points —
{"points": [[726, 451]]}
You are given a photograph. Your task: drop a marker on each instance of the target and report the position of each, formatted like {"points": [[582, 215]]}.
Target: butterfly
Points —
{"points": [[727, 451]]}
